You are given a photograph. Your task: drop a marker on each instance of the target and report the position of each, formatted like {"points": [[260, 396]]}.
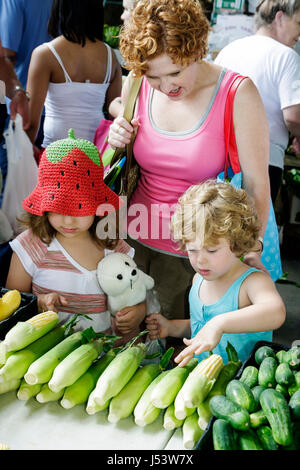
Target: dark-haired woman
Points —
{"points": [[76, 75]]}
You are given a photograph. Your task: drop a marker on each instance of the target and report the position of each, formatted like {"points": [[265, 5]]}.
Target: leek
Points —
{"points": [[41, 370], [145, 412], [75, 365], [25, 333], [46, 395], [170, 421], [166, 390], [191, 431], [79, 391], [18, 363], [27, 391], [123, 404], [118, 373]]}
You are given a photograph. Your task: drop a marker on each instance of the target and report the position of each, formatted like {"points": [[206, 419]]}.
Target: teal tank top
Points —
{"points": [[200, 314]]}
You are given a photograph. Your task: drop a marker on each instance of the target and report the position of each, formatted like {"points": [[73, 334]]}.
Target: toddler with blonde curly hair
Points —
{"points": [[229, 301]]}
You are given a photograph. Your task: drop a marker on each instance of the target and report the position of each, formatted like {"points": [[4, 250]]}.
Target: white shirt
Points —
{"points": [[275, 70]]}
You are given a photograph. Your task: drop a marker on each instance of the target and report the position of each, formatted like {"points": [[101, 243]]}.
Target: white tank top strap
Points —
{"points": [[52, 49], [109, 64]]}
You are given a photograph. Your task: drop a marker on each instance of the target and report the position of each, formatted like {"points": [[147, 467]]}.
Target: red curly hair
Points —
{"points": [[178, 28]]}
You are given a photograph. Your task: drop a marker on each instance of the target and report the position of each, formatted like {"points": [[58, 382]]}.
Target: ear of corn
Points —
{"points": [[92, 407], [166, 390], [46, 395], [27, 391], [9, 385], [191, 432], [201, 380], [180, 410], [170, 421], [144, 412], [204, 414], [9, 302], [118, 373], [17, 364], [122, 405], [41, 370], [75, 365], [25, 333], [80, 390], [4, 354]]}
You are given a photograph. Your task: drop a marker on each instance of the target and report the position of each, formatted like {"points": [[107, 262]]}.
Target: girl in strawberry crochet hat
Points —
{"points": [[57, 256]]}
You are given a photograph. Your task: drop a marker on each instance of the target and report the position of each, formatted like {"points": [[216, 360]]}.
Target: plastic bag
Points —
{"points": [[22, 171]]}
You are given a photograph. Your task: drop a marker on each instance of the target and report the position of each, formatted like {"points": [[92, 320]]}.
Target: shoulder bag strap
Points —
{"points": [[231, 153]]}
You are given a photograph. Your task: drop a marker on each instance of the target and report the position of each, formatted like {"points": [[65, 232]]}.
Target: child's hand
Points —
{"points": [[157, 325], [50, 301], [205, 340], [129, 318]]}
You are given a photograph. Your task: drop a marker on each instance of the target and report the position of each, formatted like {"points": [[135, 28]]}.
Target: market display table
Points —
{"points": [[30, 425]]}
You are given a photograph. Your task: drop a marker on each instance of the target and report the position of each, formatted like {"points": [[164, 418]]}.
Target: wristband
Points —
{"points": [[19, 88]]}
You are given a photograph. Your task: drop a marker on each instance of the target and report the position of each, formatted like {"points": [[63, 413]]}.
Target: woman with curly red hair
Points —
{"points": [[179, 120]]}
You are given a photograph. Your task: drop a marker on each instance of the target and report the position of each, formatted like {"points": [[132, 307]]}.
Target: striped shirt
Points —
{"points": [[52, 269]]}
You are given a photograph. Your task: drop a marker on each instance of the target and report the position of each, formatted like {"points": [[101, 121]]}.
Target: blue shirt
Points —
{"points": [[23, 26], [200, 314]]}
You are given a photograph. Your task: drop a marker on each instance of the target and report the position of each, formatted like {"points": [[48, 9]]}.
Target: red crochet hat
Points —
{"points": [[70, 181]]}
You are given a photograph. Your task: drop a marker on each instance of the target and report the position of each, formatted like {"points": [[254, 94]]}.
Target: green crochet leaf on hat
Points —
{"points": [[58, 150]]}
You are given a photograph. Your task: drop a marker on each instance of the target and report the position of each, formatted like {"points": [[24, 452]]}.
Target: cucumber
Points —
{"points": [[250, 376], [247, 440], [224, 437], [296, 437], [224, 408], [296, 385], [282, 389], [266, 372], [284, 375], [278, 414], [256, 391], [227, 373], [281, 356], [294, 357], [258, 419], [262, 352], [241, 393], [294, 405], [264, 434]]}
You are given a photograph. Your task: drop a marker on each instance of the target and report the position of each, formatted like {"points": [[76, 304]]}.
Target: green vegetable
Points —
{"points": [[18, 363], [224, 437], [294, 405], [92, 407], [224, 408], [241, 393], [281, 356], [284, 375], [191, 432], [263, 352], [170, 421], [122, 405], [294, 357], [266, 372], [296, 385], [145, 412], [9, 385], [277, 412], [46, 395], [181, 411], [27, 391], [250, 376], [41, 370], [256, 391], [79, 391], [247, 440], [264, 434], [282, 389], [118, 373], [257, 419], [75, 365], [166, 390]]}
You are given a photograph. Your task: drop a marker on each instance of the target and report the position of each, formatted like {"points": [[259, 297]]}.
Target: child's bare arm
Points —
{"points": [[160, 327], [17, 277]]}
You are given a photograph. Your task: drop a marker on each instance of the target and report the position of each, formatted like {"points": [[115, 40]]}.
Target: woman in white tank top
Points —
{"points": [[75, 76]]}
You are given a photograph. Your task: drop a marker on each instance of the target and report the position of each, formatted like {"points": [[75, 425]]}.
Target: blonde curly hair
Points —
{"points": [[213, 210], [178, 28]]}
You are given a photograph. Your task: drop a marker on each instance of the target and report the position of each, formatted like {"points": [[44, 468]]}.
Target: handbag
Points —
{"points": [[232, 174], [22, 171], [101, 141], [123, 172]]}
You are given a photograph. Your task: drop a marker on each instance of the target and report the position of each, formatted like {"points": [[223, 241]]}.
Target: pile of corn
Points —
{"points": [[38, 359]]}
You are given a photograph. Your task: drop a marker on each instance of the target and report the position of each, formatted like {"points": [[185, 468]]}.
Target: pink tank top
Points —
{"points": [[170, 163]]}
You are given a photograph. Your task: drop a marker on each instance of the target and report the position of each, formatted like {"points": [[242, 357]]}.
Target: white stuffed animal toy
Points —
{"points": [[124, 284]]}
